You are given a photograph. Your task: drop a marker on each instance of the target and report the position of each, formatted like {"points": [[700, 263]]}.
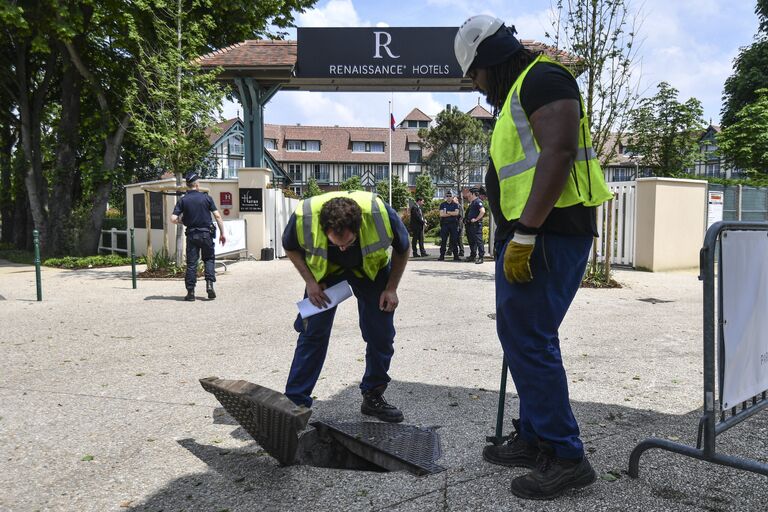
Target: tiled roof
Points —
{"points": [[417, 115], [336, 143], [215, 132], [252, 53], [480, 113]]}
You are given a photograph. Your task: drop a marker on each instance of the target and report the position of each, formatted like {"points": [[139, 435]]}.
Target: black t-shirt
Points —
{"points": [[544, 84], [196, 208], [352, 257], [474, 208], [450, 206]]}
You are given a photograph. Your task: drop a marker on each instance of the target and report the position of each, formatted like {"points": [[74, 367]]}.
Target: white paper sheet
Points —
{"points": [[338, 293]]}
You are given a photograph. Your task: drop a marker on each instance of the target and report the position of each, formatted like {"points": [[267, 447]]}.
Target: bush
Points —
{"points": [[115, 222], [17, 256], [73, 262]]}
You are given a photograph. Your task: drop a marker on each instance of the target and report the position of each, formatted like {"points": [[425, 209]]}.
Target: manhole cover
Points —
{"points": [[392, 446], [267, 415], [654, 301]]}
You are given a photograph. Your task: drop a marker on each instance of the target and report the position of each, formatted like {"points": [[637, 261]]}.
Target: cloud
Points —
{"points": [[336, 13]]}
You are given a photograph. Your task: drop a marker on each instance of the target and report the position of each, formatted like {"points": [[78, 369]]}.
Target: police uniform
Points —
{"points": [[475, 231], [366, 266], [195, 209], [449, 229]]}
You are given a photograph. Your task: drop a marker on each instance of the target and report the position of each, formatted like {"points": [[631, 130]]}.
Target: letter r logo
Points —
{"points": [[385, 45]]}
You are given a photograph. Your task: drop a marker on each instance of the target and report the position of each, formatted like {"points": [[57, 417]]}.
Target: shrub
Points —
{"points": [[115, 222], [17, 256], [73, 262]]}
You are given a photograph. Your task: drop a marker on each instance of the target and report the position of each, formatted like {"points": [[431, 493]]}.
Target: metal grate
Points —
{"points": [[389, 445], [268, 416]]}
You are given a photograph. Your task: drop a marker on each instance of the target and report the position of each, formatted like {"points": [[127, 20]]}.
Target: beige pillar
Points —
{"points": [[254, 178], [671, 219]]}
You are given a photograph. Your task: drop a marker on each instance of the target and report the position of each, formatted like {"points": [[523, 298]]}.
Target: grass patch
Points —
{"points": [[75, 262]]}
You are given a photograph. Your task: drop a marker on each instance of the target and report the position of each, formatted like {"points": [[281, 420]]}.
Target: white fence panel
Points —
{"points": [[623, 223], [277, 211]]}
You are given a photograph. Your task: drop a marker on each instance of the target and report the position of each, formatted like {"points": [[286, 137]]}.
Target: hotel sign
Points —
{"points": [[377, 52]]}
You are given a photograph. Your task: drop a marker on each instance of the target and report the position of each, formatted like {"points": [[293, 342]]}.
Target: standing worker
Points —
{"points": [[194, 210], [417, 223], [543, 182], [449, 226], [341, 236], [474, 222]]}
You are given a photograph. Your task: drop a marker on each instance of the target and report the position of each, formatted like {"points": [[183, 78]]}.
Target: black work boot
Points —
{"points": [[553, 476], [190, 295], [210, 290], [515, 453], [375, 405]]}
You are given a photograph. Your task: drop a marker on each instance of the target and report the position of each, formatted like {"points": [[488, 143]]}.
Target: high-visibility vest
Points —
{"points": [[375, 235], [515, 151]]}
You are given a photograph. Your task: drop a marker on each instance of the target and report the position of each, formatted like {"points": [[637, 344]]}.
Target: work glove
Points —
{"points": [[517, 257]]}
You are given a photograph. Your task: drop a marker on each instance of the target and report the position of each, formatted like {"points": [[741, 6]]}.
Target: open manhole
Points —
{"points": [[278, 425]]}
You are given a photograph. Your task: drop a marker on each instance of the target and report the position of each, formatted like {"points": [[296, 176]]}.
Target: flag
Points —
{"points": [[392, 121]]}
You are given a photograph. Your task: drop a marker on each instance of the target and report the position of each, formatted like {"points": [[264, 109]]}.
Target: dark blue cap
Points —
{"points": [[192, 177], [497, 48]]}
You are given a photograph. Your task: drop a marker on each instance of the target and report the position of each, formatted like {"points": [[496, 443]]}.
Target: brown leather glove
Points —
{"points": [[517, 258]]}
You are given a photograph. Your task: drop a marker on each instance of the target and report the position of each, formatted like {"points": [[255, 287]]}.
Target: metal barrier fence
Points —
{"points": [[719, 416], [114, 243]]}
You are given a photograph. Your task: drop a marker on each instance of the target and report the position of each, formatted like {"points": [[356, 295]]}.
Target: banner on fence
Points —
{"points": [[715, 207], [234, 230], [745, 302]]}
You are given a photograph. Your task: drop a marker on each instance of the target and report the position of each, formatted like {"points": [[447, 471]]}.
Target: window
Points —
{"points": [[235, 146], [712, 168], [358, 147], [321, 173], [476, 177], [351, 170], [297, 191], [377, 147], [293, 145], [414, 156], [312, 145], [423, 124], [380, 172], [270, 144], [294, 172], [233, 164], [302, 145]]}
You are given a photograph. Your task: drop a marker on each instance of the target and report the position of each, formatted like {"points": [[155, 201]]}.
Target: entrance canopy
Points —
{"points": [[374, 59]]}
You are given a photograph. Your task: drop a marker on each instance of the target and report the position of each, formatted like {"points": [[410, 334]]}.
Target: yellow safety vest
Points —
{"points": [[515, 151], [375, 235]]}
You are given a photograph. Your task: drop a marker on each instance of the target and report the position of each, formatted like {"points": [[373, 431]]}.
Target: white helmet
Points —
{"points": [[471, 33]]}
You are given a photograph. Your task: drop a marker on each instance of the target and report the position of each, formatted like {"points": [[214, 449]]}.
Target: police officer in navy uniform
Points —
{"points": [[194, 210], [417, 228], [449, 226], [474, 223]]}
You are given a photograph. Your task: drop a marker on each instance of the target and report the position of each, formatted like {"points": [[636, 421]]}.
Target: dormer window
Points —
{"points": [[367, 147]]}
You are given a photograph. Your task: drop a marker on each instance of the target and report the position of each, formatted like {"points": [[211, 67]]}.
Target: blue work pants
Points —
{"points": [[199, 242], [528, 316]]}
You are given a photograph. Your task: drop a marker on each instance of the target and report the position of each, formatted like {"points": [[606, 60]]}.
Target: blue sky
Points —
{"points": [[689, 43]]}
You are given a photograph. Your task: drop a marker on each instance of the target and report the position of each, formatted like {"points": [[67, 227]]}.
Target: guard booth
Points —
{"points": [[254, 214]]}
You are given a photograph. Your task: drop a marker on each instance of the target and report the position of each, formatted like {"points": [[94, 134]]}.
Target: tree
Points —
{"points": [[601, 34], [351, 184], [750, 71], [312, 189], [458, 144], [425, 188], [744, 143], [664, 131], [400, 192]]}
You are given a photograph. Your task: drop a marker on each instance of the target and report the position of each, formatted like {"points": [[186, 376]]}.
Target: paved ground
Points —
{"points": [[100, 408]]}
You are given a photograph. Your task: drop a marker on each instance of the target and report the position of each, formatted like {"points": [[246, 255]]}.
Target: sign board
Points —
{"points": [[155, 211], [234, 230], [251, 200], [225, 199], [745, 328], [377, 52], [714, 207]]}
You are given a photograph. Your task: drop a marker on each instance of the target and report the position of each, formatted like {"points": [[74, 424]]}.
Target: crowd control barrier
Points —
{"points": [[735, 341]]}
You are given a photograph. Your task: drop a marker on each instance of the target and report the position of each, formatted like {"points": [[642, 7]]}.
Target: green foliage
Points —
{"points": [[459, 147], [162, 262], [351, 184], [400, 192], [117, 223], [744, 143], [312, 189], [432, 219], [290, 194], [72, 262], [425, 188], [664, 131], [17, 255]]}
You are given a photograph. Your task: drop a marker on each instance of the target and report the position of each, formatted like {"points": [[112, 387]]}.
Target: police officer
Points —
{"points": [[194, 210], [417, 228], [544, 182], [346, 236], [449, 226], [474, 223]]}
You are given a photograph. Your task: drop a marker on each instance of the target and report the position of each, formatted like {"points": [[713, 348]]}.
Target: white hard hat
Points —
{"points": [[471, 33]]}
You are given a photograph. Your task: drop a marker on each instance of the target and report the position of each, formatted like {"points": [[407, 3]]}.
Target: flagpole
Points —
{"points": [[391, 127]]}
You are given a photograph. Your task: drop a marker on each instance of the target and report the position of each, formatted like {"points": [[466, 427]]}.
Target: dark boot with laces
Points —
{"points": [[210, 290], [515, 453], [190, 295], [553, 476], [374, 404]]}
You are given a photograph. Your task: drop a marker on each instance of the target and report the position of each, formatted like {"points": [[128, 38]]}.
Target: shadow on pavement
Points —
{"points": [[246, 478], [168, 297], [457, 273]]}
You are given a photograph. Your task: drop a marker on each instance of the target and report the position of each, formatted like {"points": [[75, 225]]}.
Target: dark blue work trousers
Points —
{"points": [[475, 239], [449, 231], [528, 317], [199, 242], [376, 326]]}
